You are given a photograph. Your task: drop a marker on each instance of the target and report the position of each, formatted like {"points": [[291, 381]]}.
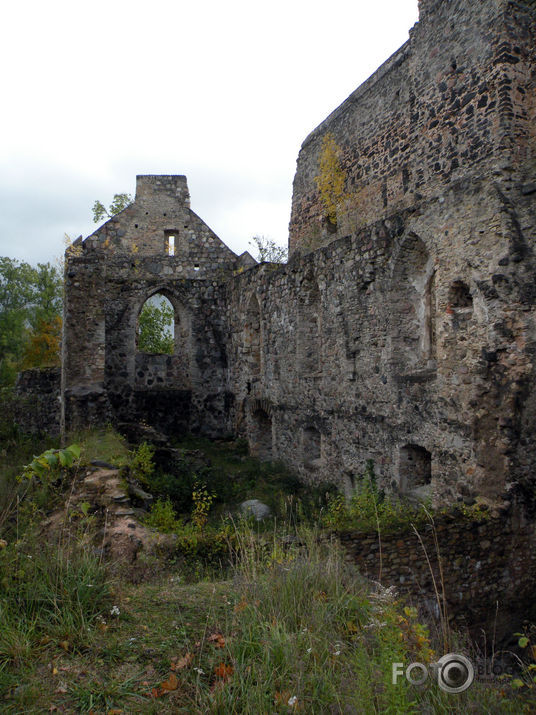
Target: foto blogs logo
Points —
{"points": [[454, 673]]}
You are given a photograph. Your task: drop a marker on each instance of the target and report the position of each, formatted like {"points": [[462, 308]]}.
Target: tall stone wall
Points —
{"points": [[408, 335], [34, 403], [456, 101], [392, 338]]}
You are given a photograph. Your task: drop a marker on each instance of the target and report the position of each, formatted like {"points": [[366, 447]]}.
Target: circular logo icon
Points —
{"points": [[455, 673]]}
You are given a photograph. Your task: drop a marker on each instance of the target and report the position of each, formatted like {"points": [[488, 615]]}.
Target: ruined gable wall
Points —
{"points": [[180, 392], [108, 279], [162, 208]]}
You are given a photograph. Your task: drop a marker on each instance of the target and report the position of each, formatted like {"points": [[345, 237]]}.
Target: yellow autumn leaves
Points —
{"points": [[331, 178]]}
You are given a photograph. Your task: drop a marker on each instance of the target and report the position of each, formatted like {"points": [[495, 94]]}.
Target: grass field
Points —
{"points": [[289, 626]]}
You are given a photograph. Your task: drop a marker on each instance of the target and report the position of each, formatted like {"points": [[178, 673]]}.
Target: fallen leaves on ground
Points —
{"points": [[223, 671], [217, 639], [165, 687], [180, 663]]}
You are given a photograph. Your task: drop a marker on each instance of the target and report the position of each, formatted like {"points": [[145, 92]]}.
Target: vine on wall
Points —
{"points": [[331, 177]]}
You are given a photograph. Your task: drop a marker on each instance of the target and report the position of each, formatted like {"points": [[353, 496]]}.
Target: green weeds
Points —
{"points": [[276, 621]]}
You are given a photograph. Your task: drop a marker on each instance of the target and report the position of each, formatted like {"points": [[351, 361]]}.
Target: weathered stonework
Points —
{"points": [[487, 568], [34, 404], [109, 276], [407, 336]]}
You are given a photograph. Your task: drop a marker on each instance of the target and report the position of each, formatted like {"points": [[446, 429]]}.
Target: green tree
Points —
{"points": [[47, 301], [119, 202], [42, 349], [268, 250], [155, 328], [29, 298]]}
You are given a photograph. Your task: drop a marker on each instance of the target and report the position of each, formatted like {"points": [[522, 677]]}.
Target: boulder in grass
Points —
{"points": [[255, 507]]}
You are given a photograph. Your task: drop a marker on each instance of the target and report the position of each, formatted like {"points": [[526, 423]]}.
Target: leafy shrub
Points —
{"points": [[211, 549], [142, 465], [38, 487], [163, 517], [199, 545], [202, 500], [369, 509], [45, 467]]}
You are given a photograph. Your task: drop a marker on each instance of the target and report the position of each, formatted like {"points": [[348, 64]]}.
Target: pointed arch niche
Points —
{"points": [[260, 435], [413, 307], [309, 343]]}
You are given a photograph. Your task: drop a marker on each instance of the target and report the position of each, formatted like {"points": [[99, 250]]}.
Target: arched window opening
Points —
{"points": [[156, 326], [415, 467], [312, 446], [309, 348], [260, 442], [252, 337], [413, 299]]}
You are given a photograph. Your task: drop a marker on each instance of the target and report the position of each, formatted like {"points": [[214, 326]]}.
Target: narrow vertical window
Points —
{"points": [[429, 327], [171, 245]]}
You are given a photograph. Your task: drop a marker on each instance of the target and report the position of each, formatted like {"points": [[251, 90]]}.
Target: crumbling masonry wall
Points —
{"points": [[418, 342], [401, 330]]}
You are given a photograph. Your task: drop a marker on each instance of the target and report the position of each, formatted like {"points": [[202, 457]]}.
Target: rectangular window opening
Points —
{"points": [[196, 266], [171, 245]]}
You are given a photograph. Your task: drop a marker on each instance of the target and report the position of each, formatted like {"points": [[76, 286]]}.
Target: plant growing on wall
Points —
{"points": [[119, 202], [331, 178], [268, 250]]}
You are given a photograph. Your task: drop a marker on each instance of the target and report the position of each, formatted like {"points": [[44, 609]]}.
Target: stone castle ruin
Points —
{"points": [[402, 329]]}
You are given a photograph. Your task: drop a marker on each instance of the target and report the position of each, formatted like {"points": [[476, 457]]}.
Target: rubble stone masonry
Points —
{"points": [[401, 330]]}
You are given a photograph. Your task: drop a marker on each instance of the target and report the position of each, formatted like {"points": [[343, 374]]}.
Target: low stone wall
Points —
{"points": [[488, 567], [35, 401]]}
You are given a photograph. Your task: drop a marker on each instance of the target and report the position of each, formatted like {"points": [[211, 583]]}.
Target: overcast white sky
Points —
{"points": [[224, 92]]}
